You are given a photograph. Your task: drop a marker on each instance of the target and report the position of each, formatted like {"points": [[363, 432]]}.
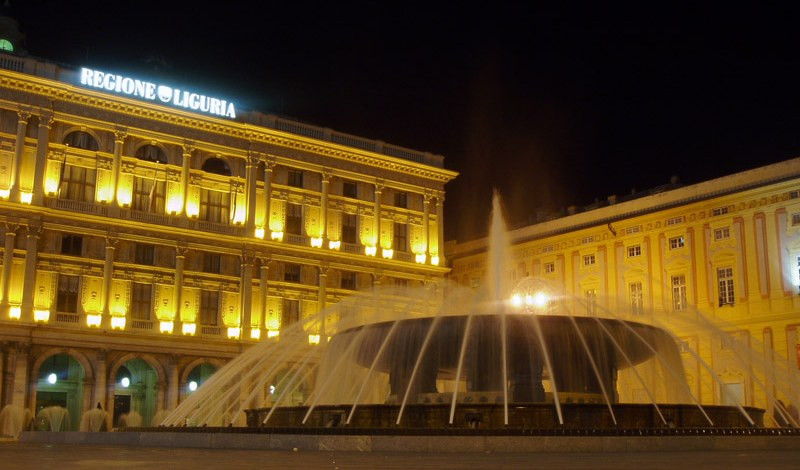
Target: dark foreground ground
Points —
{"points": [[17, 455]]}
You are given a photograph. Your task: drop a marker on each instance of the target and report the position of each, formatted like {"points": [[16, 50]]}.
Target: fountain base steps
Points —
{"points": [[322, 440]]}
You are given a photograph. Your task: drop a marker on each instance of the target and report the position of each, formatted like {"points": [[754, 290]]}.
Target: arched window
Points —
{"points": [[81, 140], [151, 153], [217, 166]]}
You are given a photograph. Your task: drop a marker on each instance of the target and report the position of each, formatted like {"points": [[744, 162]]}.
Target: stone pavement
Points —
{"points": [[20, 455]]}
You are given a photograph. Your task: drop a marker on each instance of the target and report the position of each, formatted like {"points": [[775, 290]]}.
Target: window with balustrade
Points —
{"points": [[144, 254], [148, 195], [141, 301], [400, 237], [209, 307], [215, 206], [212, 263], [291, 272], [294, 219], [350, 228], [77, 183], [67, 295], [71, 244]]}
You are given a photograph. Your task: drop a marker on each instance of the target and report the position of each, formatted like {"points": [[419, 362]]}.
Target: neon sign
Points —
{"points": [[154, 92]]}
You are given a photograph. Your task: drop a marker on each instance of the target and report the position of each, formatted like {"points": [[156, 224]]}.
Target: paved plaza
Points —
{"points": [[19, 455]]}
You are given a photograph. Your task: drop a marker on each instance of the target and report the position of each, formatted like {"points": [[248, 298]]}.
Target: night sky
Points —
{"points": [[553, 106]]}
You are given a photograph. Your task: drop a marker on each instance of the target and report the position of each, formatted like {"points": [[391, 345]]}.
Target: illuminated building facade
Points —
{"points": [[729, 247], [147, 242]]}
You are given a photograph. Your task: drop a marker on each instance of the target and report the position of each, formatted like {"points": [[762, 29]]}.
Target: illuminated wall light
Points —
{"points": [[26, 197], [255, 333], [52, 379], [41, 315], [192, 208], [313, 339], [5, 193], [260, 232], [516, 300], [238, 214], [117, 323], [50, 186], [435, 260], [387, 253], [334, 245], [174, 205], [192, 386], [540, 299], [124, 197], [166, 326], [125, 382], [316, 242], [370, 250], [233, 331], [93, 320], [277, 236], [189, 328], [104, 194], [273, 333], [421, 258], [14, 313]]}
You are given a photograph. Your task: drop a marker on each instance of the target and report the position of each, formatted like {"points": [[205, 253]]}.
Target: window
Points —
{"points": [[294, 219], [77, 183], [676, 242], [291, 272], [637, 301], [141, 301], [588, 260], [145, 254], [674, 220], [719, 211], [349, 229], [796, 219], [632, 230], [212, 263], [679, 293], [148, 195], [725, 282], [549, 268], [634, 251], [586, 240], [296, 178], [400, 237], [591, 301], [400, 199], [474, 282], [216, 166], [81, 140], [215, 206], [71, 245], [348, 280], [722, 233], [67, 298], [350, 189], [209, 307], [291, 312], [151, 153]]}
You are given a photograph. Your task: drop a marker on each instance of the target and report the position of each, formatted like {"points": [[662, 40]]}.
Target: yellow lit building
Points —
{"points": [[151, 234], [729, 247]]}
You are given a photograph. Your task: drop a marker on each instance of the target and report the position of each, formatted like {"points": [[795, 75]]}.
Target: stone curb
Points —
{"points": [[460, 444]]}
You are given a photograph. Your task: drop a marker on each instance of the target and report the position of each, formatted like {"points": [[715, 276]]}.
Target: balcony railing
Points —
{"points": [[77, 206], [142, 324], [297, 239], [147, 217], [73, 318], [211, 330], [219, 228]]}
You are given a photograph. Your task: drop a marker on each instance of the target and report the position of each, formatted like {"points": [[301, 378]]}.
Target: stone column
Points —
{"points": [[174, 383], [29, 284], [19, 154], [263, 293], [100, 380], [108, 271], [252, 167], [187, 156], [268, 167], [8, 264], [323, 210], [426, 225], [440, 225], [9, 369], [160, 396], [378, 193], [119, 139], [20, 376], [246, 295], [323, 285], [180, 259], [42, 148]]}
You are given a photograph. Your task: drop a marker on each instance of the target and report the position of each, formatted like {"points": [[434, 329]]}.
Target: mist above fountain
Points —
{"points": [[513, 354]]}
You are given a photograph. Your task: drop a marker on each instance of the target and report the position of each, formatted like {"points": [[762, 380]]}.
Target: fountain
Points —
{"points": [[13, 420], [513, 355], [52, 418], [94, 420]]}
